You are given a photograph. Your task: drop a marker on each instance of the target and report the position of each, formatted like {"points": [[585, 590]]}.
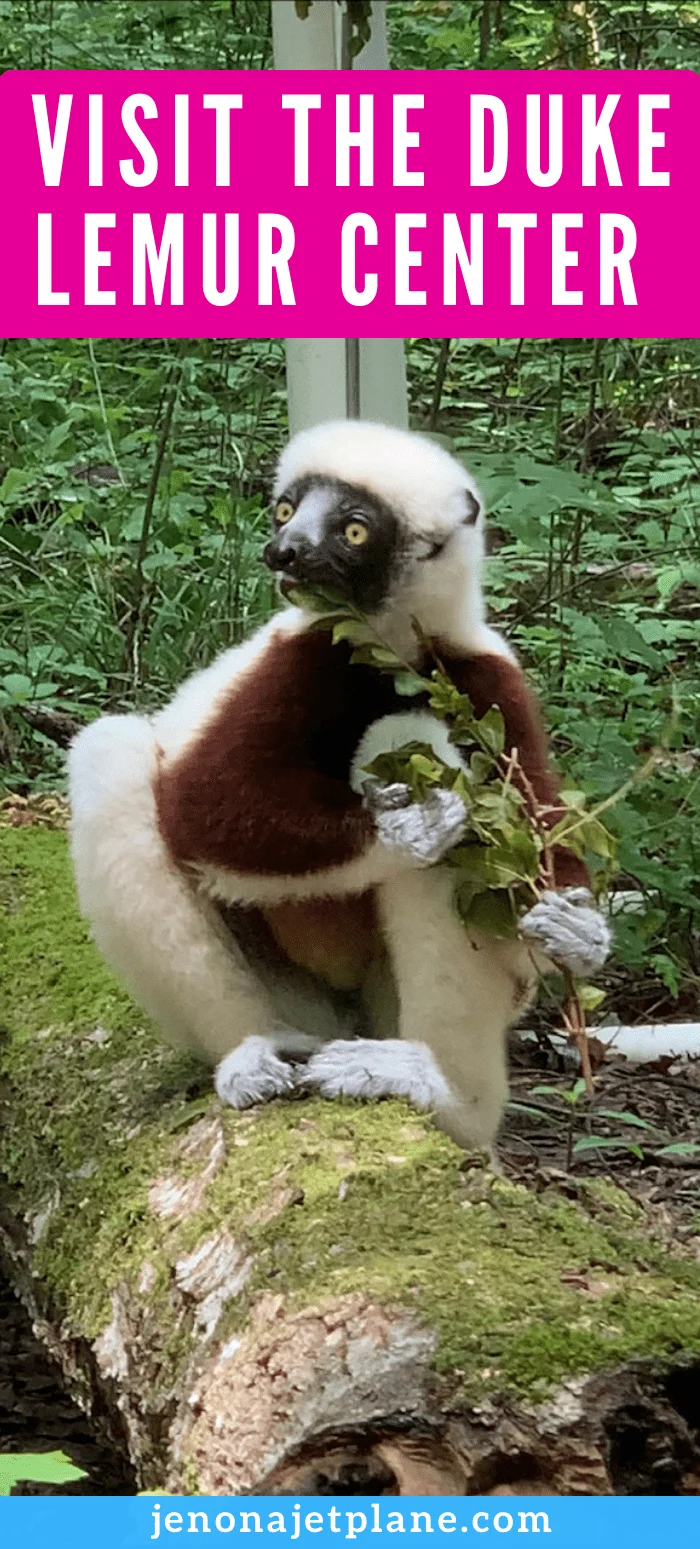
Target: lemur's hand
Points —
{"points": [[423, 831], [569, 929]]}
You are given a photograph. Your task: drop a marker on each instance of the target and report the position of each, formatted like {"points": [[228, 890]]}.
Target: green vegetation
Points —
{"points": [[42, 1467]]}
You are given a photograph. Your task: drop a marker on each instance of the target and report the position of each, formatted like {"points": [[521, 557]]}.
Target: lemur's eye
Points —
{"points": [[284, 511], [356, 533]]}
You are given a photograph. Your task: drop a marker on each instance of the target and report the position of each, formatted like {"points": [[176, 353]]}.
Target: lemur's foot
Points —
{"points": [[570, 930], [253, 1073], [423, 831], [368, 1067]]}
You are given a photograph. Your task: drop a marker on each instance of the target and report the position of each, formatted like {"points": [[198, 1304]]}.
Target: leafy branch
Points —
{"points": [[506, 858]]}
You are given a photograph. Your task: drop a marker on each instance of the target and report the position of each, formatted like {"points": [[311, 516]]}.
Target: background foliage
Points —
{"points": [[133, 476]]}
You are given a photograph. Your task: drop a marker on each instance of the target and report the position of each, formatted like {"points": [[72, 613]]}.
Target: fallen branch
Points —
{"points": [[55, 724]]}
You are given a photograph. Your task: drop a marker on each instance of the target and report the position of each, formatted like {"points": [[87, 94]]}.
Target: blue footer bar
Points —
{"points": [[128, 1522]]}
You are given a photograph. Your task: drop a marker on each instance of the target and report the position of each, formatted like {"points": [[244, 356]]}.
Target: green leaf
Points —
{"points": [[17, 686], [315, 602], [462, 787], [481, 765], [390, 768], [56, 438], [14, 480], [523, 848], [355, 631], [626, 641], [425, 766], [369, 654], [668, 580], [492, 730], [493, 912], [605, 1143], [408, 684], [532, 1113], [681, 1148], [384, 657], [579, 835], [623, 1117], [40, 1467], [322, 623], [574, 799], [568, 1095], [667, 971], [590, 996]]}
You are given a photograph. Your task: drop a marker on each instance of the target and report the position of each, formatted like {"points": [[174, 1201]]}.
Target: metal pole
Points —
{"points": [[382, 362], [337, 378]]}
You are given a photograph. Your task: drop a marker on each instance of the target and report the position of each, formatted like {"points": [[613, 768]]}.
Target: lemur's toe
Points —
{"points": [[371, 1068], [252, 1073]]}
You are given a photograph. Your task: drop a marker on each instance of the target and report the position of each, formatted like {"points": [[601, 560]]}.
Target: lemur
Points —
{"points": [[268, 906]]}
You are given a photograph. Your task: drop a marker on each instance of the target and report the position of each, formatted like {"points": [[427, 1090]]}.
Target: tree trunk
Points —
{"points": [[314, 1297]]}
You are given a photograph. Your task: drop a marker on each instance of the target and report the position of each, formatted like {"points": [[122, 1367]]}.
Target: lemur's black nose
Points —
{"points": [[282, 554]]}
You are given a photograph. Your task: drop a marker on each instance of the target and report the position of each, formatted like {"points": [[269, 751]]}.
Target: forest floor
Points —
{"points": [[537, 1145]]}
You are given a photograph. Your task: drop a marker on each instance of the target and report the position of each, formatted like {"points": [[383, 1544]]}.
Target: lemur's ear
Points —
{"points": [[471, 508]]}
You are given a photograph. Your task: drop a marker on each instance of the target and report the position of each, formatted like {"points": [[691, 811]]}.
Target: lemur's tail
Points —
{"points": [[159, 935]]}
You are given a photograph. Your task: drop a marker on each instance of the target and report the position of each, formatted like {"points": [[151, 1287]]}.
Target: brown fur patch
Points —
{"points": [[263, 786], [335, 938]]}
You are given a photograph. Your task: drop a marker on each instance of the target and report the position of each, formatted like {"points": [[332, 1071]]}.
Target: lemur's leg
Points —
{"points": [[458, 994], [164, 939]]}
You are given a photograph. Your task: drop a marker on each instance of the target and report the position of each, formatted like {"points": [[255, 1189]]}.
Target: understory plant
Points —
{"points": [[637, 1136]]}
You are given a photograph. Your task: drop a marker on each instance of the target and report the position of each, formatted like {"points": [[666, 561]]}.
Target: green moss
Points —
{"points": [[499, 1271], [479, 1258], [49, 971]]}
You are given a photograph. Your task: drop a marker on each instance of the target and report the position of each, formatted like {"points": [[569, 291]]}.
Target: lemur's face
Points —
{"points": [[345, 539], [336, 536]]}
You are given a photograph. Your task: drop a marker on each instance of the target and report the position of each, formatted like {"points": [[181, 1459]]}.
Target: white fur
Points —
{"points": [[459, 991], [408, 471], [375, 865], [163, 939]]}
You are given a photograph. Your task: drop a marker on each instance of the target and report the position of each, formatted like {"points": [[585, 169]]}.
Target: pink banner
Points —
{"points": [[375, 204]]}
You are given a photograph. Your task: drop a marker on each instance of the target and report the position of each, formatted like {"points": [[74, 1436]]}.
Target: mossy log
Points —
{"points": [[313, 1296]]}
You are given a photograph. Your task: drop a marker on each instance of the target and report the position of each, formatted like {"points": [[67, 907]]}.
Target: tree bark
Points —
{"points": [[314, 1297]]}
